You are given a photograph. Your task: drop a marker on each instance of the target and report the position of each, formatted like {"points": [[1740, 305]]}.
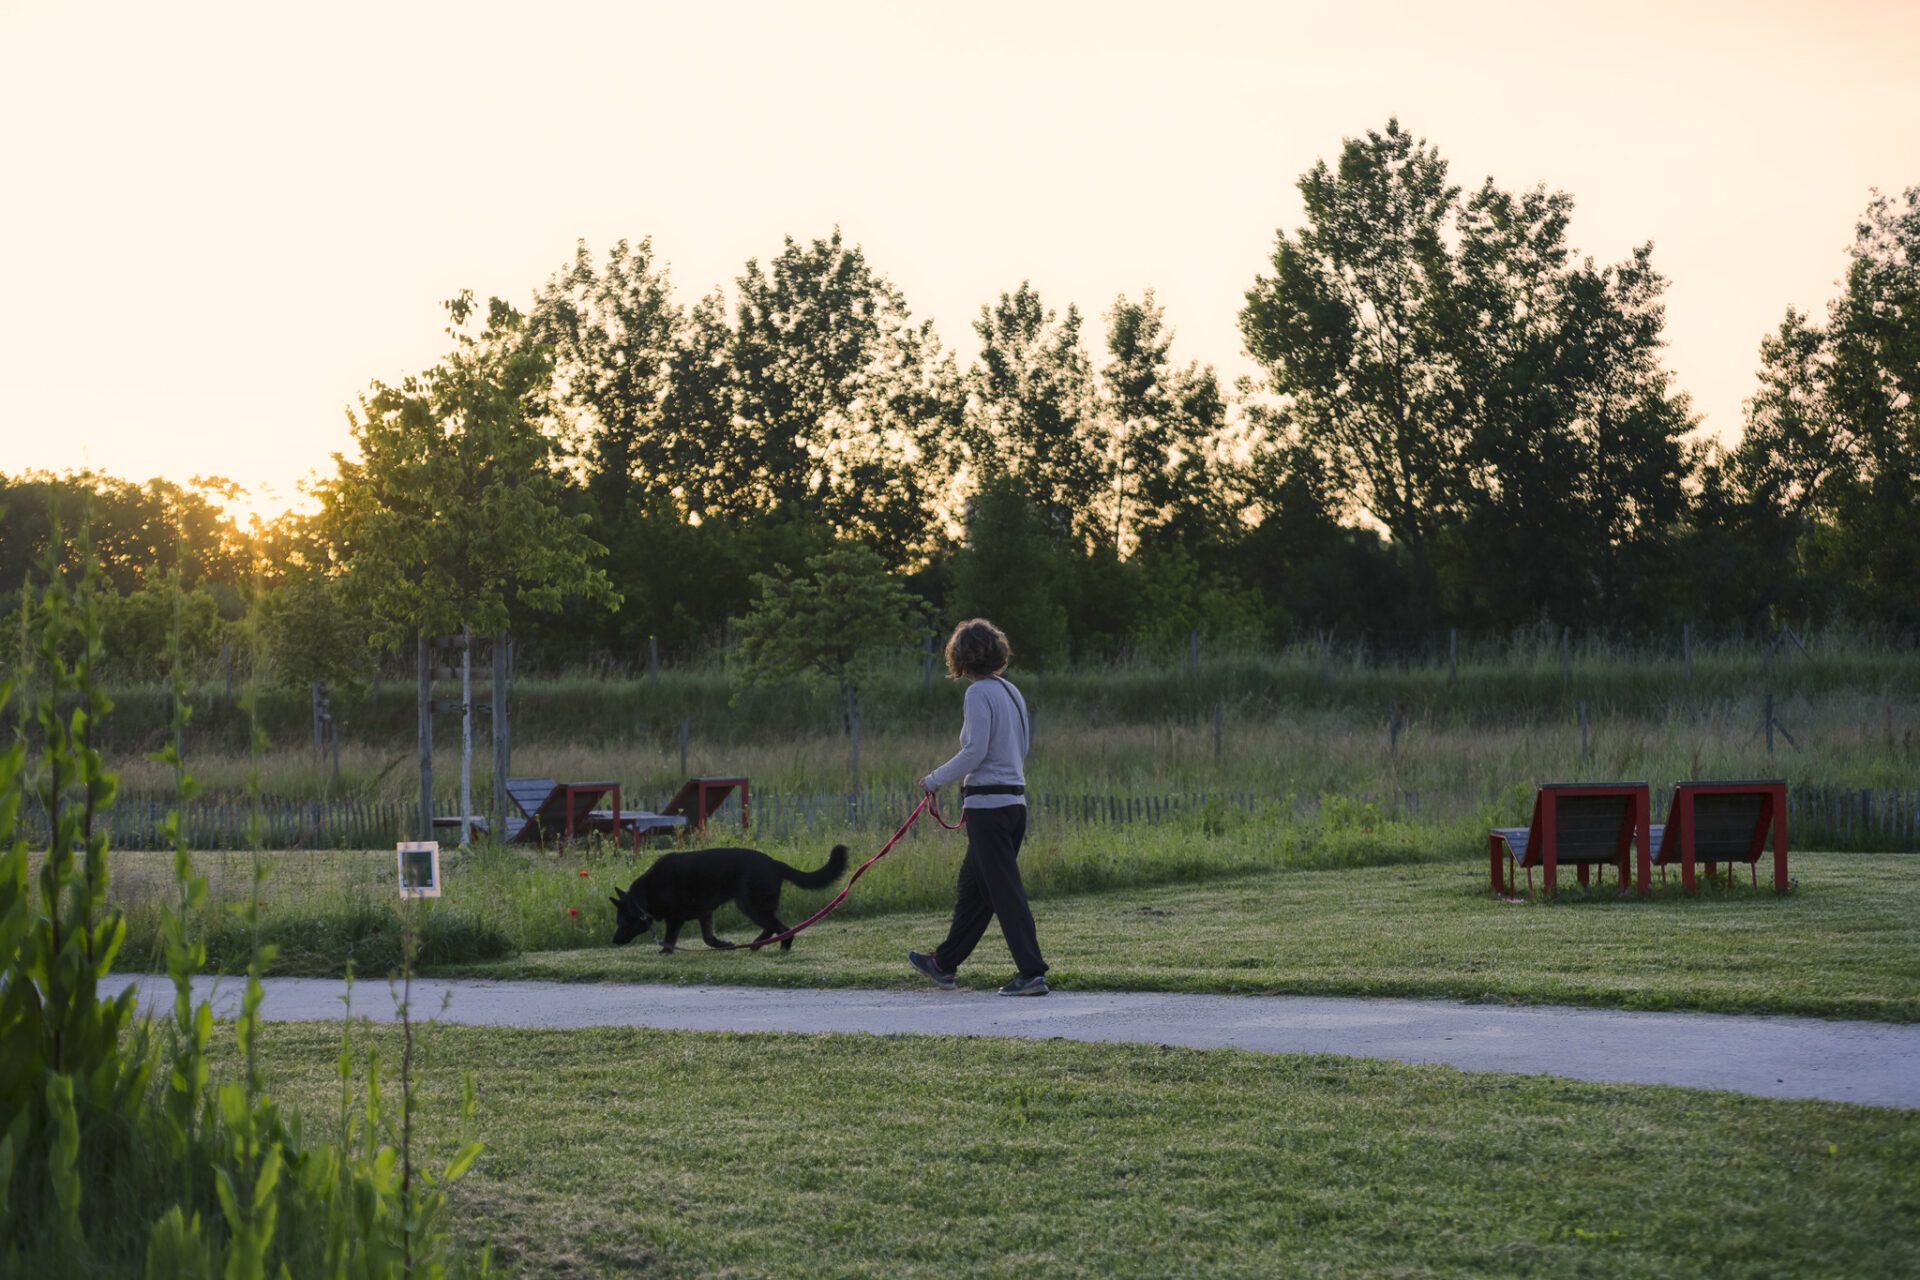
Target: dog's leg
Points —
{"points": [[769, 924], [706, 932], [673, 931]]}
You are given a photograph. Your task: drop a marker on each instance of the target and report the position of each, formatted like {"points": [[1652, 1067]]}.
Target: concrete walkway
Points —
{"points": [[1865, 1062]]}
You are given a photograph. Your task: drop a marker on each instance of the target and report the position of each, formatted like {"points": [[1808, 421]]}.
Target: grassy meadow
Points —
{"points": [[1845, 943], [639, 1152], [1350, 860], [1301, 721]]}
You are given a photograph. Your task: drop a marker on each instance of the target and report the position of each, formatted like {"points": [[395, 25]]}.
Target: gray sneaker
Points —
{"points": [[1034, 986], [931, 968]]}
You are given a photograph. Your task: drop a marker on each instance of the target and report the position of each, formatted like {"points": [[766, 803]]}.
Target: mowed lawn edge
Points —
{"points": [[1844, 944], [630, 1151]]}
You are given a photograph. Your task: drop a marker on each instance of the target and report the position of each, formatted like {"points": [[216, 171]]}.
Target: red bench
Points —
{"points": [[555, 810], [1715, 822], [1578, 824], [701, 798]]}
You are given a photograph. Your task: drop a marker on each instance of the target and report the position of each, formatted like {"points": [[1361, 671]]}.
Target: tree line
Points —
{"points": [[1458, 421]]}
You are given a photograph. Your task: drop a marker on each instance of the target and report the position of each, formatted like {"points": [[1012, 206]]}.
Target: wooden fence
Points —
{"points": [[1850, 818]]}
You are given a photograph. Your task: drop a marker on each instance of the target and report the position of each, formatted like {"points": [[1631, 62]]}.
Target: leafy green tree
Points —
{"points": [[1354, 329], [1165, 424], [614, 334], [1032, 413], [451, 515], [1316, 573], [1498, 407], [699, 415], [312, 634], [139, 528], [1579, 472], [1013, 568], [842, 407], [1830, 463], [831, 624], [136, 627]]}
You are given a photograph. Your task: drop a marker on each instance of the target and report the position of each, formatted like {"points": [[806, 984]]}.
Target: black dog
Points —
{"points": [[694, 883]]}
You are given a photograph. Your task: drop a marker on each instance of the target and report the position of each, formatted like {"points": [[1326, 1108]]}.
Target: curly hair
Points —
{"points": [[977, 648]]}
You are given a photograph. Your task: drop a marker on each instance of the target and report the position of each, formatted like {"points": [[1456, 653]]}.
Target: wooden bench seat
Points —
{"points": [[1580, 824], [1715, 822]]}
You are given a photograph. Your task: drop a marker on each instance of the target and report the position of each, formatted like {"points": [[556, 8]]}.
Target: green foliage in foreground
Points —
{"points": [[1845, 944], [870, 1156], [119, 1155]]}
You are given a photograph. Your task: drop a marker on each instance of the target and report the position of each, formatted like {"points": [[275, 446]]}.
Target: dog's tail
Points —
{"points": [[836, 863]]}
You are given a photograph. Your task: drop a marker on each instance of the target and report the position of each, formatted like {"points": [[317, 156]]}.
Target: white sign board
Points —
{"points": [[419, 869]]}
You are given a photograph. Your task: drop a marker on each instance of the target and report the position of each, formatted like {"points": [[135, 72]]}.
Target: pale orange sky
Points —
{"points": [[222, 221]]}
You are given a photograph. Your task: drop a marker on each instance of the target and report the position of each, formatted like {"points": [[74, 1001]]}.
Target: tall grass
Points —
{"points": [[1855, 738], [1497, 682], [323, 911]]}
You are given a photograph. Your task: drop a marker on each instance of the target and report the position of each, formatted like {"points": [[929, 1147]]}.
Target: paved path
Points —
{"points": [[1866, 1062]]}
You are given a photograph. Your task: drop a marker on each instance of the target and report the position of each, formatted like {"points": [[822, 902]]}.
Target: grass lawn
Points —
{"points": [[632, 1151], [1845, 944]]}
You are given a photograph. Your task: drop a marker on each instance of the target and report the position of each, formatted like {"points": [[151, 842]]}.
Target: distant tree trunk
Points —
{"points": [[502, 736], [852, 694], [466, 736], [426, 737]]}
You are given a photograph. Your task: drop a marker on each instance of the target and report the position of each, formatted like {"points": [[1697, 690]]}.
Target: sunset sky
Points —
{"points": [[222, 221]]}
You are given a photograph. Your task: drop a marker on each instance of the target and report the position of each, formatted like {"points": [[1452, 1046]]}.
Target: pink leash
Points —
{"points": [[929, 803]]}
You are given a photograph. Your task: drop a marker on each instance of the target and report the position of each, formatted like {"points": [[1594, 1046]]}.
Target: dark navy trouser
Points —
{"points": [[990, 886]]}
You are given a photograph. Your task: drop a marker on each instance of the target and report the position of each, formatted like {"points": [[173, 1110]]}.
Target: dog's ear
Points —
{"points": [[619, 894], [615, 899]]}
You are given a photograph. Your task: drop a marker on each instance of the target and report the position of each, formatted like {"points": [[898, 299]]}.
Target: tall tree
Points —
{"points": [[1164, 423], [613, 333], [841, 404], [1579, 472], [1015, 568], [1032, 412], [716, 453], [1498, 407], [450, 514], [832, 623], [1353, 329], [1831, 456]]}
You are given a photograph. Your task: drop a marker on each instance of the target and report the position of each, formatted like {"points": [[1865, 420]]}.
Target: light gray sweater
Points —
{"points": [[994, 741]]}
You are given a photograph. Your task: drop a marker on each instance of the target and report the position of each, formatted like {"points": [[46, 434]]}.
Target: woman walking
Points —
{"points": [[994, 742]]}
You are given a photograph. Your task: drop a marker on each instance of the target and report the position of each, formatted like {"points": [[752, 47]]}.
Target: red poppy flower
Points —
{"points": [[573, 911], [584, 873]]}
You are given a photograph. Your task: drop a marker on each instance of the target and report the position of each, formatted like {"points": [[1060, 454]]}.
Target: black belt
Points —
{"points": [[992, 791]]}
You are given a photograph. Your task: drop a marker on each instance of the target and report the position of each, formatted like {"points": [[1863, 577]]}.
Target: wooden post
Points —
{"points": [[1566, 659], [426, 737], [653, 662], [313, 700], [1582, 704], [926, 664], [1393, 727], [1453, 655], [683, 748], [502, 742], [853, 731], [466, 734], [1768, 712], [1686, 648]]}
